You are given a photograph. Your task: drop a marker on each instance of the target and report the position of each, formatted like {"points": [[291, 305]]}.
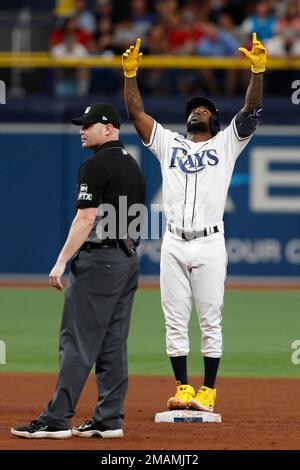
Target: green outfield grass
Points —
{"points": [[259, 328]]}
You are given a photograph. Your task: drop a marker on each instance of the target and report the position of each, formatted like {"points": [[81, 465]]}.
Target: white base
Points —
{"points": [[187, 416]]}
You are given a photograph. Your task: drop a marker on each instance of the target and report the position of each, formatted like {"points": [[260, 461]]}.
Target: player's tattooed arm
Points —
{"points": [[254, 92], [135, 109], [247, 119], [133, 100]]}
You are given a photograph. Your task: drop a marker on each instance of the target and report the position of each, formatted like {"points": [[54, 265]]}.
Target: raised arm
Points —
{"points": [[134, 104], [246, 121], [258, 60], [254, 92]]}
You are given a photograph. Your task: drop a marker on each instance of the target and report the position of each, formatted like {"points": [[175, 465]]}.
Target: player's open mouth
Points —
{"points": [[196, 119]]}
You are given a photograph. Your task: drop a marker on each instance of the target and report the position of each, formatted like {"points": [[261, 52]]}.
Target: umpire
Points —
{"points": [[103, 280]]}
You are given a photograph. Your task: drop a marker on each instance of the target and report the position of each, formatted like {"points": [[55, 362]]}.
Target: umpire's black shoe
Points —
{"points": [[90, 429], [38, 430]]}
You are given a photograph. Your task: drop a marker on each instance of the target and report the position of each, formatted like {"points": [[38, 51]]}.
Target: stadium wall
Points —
{"points": [[39, 164]]}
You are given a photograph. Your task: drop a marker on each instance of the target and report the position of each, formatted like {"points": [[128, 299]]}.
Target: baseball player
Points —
{"points": [[196, 170]]}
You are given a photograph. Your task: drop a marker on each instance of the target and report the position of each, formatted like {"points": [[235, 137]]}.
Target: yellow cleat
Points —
{"points": [[204, 400], [181, 399]]}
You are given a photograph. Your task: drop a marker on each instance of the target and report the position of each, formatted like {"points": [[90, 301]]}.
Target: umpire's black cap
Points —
{"points": [[99, 112], [200, 101]]}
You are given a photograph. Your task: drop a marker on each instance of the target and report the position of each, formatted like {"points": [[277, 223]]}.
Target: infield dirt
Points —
{"points": [[256, 414]]}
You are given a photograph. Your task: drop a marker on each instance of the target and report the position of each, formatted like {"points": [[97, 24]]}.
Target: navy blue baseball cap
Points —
{"points": [[99, 112], [200, 101]]}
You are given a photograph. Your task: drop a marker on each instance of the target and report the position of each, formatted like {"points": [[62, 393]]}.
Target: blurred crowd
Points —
{"points": [[209, 28]]}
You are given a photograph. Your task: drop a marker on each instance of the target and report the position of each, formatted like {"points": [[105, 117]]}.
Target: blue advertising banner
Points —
{"points": [[39, 166]]}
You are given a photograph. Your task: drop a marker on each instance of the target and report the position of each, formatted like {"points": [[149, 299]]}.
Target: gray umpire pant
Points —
{"points": [[94, 330]]}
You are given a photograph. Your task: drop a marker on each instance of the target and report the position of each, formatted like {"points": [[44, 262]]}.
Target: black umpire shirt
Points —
{"points": [[112, 182]]}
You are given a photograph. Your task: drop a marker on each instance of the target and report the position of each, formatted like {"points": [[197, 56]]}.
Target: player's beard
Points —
{"points": [[196, 127]]}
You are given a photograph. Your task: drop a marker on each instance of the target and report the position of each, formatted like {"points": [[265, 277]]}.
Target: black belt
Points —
{"points": [[192, 235], [89, 246]]}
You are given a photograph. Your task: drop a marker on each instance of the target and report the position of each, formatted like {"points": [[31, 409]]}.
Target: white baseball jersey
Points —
{"points": [[196, 176]]}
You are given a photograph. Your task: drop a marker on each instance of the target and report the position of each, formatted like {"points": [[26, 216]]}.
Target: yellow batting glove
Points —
{"points": [[131, 59], [257, 55]]}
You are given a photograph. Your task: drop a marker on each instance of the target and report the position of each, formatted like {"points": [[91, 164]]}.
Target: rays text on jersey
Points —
{"points": [[193, 163]]}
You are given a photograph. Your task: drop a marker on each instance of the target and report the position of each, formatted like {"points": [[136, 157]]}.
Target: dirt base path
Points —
{"points": [[256, 414]]}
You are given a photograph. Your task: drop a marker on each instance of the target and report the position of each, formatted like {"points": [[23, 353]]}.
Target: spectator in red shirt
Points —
{"points": [[69, 28], [70, 81]]}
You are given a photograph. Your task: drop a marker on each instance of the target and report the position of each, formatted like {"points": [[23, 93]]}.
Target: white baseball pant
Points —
{"points": [[193, 270]]}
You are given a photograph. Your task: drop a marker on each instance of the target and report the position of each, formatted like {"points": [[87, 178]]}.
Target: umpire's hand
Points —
{"points": [[56, 274]]}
